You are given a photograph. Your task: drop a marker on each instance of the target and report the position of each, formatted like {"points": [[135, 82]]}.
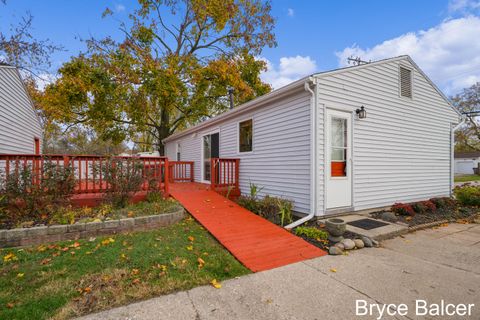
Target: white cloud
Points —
{"points": [[290, 12], [463, 6], [119, 8], [289, 70], [449, 53]]}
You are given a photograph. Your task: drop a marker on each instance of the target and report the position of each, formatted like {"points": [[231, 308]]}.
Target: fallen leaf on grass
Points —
{"points": [[9, 257], [20, 275], [333, 270], [10, 305], [75, 245], [216, 284], [191, 238], [41, 248], [135, 271], [189, 248], [201, 263], [45, 261], [136, 281], [108, 241]]}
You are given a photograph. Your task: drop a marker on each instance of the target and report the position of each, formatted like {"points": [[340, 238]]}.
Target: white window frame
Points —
{"points": [[238, 135], [400, 81], [178, 147]]}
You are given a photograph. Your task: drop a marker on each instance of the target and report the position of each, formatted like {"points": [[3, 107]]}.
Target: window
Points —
{"points": [[338, 146], [179, 151], [405, 82], [245, 134]]}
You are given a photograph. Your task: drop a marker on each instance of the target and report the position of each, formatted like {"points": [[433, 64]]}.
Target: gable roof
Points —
{"points": [[257, 102]]}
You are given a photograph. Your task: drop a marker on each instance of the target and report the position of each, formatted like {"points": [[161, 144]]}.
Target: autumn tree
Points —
{"points": [[468, 136], [171, 69]]}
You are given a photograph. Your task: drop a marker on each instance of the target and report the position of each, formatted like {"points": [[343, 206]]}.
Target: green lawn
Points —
{"points": [[467, 178], [66, 279]]}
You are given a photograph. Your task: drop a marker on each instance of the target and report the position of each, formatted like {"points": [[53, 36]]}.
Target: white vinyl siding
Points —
{"points": [[19, 125], [280, 160], [401, 151]]}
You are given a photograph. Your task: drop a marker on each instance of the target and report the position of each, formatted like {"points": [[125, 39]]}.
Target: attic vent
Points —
{"points": [[405, 82]]}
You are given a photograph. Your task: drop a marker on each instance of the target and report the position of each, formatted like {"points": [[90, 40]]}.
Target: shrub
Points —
{"points": [[274, 209], [468, 195], [444, 203], [34, 195], [419, 207], [311, 232], [431, 207], [403, 209], [124, 177]]}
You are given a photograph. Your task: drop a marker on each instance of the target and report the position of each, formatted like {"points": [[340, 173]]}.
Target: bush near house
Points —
{"points": [[311, 232], [34, 194], [468, 195], [462, 210], [274, 209], [403, 209]]}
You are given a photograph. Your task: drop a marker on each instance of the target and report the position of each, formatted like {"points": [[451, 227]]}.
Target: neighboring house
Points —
{"points": [[465, 162], [20, 128], [306, 141]]}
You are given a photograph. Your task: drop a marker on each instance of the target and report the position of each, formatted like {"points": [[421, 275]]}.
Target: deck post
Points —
{"points": [[166, 177], [192, 174]]}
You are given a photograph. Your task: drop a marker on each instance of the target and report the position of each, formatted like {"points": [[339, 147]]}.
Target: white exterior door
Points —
{"points": [[338, 167]]}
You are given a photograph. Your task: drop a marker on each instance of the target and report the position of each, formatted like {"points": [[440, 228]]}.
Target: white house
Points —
{"points": [[465, 162], [308, 142], [20, 128]]}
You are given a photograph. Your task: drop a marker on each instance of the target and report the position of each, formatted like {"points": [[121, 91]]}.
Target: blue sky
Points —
{"points": [[442, 36]]}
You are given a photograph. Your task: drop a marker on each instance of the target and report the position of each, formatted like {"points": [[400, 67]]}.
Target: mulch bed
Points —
{"points": [[462, 215]]}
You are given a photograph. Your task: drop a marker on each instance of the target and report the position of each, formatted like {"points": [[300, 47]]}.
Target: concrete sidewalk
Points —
{"points": [[431, 265]]}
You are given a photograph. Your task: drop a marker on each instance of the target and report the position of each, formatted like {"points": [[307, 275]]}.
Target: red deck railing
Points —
{"points": [[86, 169], [225, 176], [181, 171]]}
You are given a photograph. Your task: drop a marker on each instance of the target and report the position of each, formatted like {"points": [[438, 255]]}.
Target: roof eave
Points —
{"points": [[248, 106]]}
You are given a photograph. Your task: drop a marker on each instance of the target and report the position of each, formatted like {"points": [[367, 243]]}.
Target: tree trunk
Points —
{"points": [[163, 131]]}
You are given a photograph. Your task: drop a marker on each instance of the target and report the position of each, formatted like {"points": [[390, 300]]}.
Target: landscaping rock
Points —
{"points": [[367, 242], [340, 245], [359, 243], [389, 216], [348, 244], [335, 251]]}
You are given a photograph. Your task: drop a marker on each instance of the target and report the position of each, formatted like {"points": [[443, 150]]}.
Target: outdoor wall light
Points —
{"points": [[362, 113]]}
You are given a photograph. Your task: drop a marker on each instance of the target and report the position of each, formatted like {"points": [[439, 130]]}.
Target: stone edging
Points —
{"points": [[36, 235]]}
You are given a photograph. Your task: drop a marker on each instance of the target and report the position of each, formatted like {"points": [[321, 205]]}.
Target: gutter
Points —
{"points": [[313, 150]]}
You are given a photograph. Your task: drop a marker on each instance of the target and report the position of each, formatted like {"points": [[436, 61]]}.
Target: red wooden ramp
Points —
{"points": [[255, 242]]}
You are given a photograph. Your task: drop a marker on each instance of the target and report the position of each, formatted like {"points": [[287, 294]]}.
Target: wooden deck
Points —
{"points": [[255, 242]]}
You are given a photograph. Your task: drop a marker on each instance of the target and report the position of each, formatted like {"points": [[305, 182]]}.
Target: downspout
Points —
{"points": [[313, 158], [452, 150]]}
